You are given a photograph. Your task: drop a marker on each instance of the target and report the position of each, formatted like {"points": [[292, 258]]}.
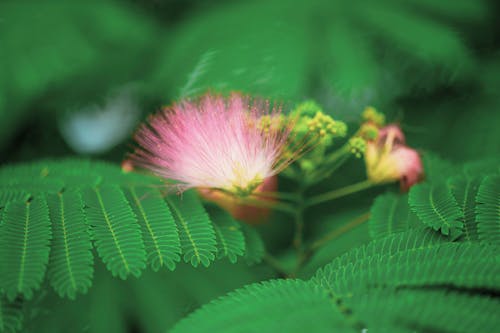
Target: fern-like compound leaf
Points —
{"points": [[464, 190], [159, 230], [11, 316], [196, 233], [436, 207], [24, 247], [391, 213], [425, 310], [230, 239], [397, 261], [71, 262], [8, 195], [116, 233], [275, 306], [254, 246], [488, 210]]}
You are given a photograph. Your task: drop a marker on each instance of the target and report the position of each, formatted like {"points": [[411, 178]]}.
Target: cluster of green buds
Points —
{"points": [[371, 115], [311, 121], [367, 132], [357, 146], [316, 132]]}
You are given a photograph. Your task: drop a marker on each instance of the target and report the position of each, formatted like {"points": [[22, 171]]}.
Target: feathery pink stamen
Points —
{"points": [[212, 142]]}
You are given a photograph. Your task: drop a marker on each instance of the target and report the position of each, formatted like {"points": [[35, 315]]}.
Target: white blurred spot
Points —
{"points": [[97, 128]]}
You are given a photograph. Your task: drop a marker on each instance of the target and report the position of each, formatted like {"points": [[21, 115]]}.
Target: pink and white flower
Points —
{"points": [[213, 142], [388, 159]]}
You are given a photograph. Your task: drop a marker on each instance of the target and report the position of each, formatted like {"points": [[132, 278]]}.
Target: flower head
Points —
{"points": [[214, 142], [388, 159]]}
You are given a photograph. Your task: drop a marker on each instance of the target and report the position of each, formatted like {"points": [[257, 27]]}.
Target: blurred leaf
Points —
{"points": [[255, 249], [437, 169], [230, 238], [391, 213], [256, 47], [52, 45], [11, 316], [287, 305], [488, 210]]}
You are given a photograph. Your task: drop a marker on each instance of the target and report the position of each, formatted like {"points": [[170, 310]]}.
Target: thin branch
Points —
{"points": [[339, 193]]}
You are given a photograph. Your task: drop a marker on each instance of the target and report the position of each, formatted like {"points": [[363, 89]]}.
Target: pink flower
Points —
{"points": [[213, 143], [388, 159]]}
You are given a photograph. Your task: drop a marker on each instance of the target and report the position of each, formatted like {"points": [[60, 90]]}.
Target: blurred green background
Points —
{"points": [[76, 77]]}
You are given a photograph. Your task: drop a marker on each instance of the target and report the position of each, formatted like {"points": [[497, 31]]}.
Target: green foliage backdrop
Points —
{"points": [[84, 244]]}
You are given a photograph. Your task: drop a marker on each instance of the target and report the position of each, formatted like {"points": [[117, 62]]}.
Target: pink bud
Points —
{"points": [[388, 159]]}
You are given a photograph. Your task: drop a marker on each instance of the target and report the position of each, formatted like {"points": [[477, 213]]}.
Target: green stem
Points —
{"points": [[338, 232], [339, 193], [308, 253], [275, 264], [299, 220], [330, 165], [341, 152]]}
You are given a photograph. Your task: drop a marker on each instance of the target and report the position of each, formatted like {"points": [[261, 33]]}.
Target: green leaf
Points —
{"points": [[268, 56], [254, 246], [411, 260], [196, 233], [353, 68], [391, 213], [30, 178], [7, 195], [24, 247], [436, 168], [230, 239], [71, 262], [437, 208], [425, 310], [279, 305], [74, 172], [459, 9], [45, 45], [488, 210], [464, 189], [412, 32], [11, 316], [482, 167], [159, 230], [116, 233]]}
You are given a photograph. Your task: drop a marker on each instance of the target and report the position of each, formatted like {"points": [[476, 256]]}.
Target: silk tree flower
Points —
{"points": [[388, 159], [217, 145]]}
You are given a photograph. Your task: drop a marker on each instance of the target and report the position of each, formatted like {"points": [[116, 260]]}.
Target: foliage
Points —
{"points": [[70, 204], [73, 231], [385, 285]]}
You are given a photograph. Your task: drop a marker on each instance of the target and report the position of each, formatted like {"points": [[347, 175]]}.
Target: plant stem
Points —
{"points": [[308, 253], [339, 193], [275, 264], [340, 231], [299, 221]]}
